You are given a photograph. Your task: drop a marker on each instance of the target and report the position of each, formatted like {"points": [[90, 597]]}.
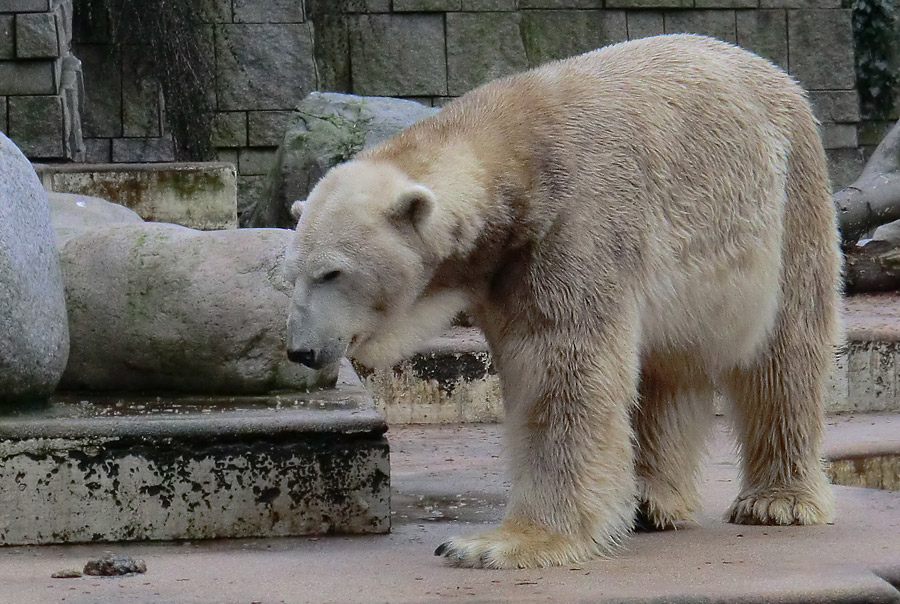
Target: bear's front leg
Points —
{"points": [[569, 438]]}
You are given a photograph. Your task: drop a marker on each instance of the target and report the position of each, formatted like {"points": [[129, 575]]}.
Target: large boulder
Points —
{"points": [[329, 128], [71, 214], [160, 307], [34, 335]]}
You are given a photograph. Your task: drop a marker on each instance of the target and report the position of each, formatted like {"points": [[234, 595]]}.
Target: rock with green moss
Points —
{"points": [[328, 128], [160, 307]]}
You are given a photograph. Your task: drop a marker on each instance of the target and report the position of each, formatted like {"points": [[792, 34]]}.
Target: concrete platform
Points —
{"points": [[149, 468], [200, 195], [452, 379], [449, 480]]}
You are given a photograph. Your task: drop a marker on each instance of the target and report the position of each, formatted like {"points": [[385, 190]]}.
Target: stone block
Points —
{"points": [[250, 56], [716, 23], [216, 11], [482, 47], [250, 192], [556, 4], [644, 23], [143, 150], [271, 11], [102, 113], [874, 383], [4, 125], [844, 166], [765, 33], [650, 4], [366, 6], [24, 6], [488, 5], [97, 150], [398, 55], [197, 195], [800, 4], [27, 77], [836, 106], [423, 6], [195, 468], [7, 39], [36, 36], [141, 96], [267, 128], [550, 35], [726, 4], [229, 129], [36, 125], [449, 380], [820, 48], [839, 136], [228, 156], [871, 133], [256, 162]]}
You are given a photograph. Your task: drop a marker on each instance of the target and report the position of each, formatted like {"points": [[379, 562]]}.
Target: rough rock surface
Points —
{"points": [[162, 307], [71, 215], [34, 337], [329, 128]]}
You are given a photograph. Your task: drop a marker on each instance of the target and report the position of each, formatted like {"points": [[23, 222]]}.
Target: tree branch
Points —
{"points": [[874, 198]]}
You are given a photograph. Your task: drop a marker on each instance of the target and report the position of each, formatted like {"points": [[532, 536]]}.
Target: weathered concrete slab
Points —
{"points": [[197, 195], [122, 469], [449, 480]]}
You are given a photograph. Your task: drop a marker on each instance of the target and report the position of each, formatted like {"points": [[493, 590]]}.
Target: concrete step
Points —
{"points": [[452, 378], [109, 468], [449, 480]]}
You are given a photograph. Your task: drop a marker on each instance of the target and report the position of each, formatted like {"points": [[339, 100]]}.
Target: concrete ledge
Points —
{"points": [[159, 468], [197, 195], [452, 378]]}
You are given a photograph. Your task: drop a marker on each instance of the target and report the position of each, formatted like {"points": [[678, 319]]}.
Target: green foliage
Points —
{"points": [[875, 36], [179, 53]]}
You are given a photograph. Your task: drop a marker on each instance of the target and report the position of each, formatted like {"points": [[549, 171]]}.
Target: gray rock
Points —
{"points": [[34, 336], [328, 128], [71, 215], [162, 307], [113, 566]]}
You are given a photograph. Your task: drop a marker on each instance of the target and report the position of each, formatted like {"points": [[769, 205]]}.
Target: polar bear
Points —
{"points": [[633, 229]]}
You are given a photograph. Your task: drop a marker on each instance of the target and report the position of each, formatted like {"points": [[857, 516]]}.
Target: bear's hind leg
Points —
{"points": [[777, 409], [674, 414]]}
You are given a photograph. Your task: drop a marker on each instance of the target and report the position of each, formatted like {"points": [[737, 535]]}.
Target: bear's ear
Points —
{"points": [[297, 209], [413, 205]]}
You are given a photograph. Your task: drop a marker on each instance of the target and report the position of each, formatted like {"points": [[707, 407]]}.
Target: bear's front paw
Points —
{"points": [[783, 506], [517, 545]]}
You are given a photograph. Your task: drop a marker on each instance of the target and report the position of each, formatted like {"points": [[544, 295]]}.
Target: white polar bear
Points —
{"points": [[632, 229]]}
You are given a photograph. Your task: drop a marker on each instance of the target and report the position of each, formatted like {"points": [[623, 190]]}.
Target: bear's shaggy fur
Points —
{"points": [[633, 229]]}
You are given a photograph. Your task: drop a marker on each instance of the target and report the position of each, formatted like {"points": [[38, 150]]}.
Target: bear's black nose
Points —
{"points": [[304, 357]]}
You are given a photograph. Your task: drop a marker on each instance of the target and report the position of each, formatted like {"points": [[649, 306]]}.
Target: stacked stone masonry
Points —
{"points": [[41, 86], [268, 54]]}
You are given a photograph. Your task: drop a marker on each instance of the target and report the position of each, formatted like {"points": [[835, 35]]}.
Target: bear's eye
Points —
{"points": [[329, 276]]}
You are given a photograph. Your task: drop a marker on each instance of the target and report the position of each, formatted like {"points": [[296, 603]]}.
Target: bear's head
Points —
{"points": [[367, 243]]}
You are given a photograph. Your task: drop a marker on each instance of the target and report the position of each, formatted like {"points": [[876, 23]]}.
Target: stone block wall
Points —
{"points": [[432, 50], [268, 54], [40, 80]]}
